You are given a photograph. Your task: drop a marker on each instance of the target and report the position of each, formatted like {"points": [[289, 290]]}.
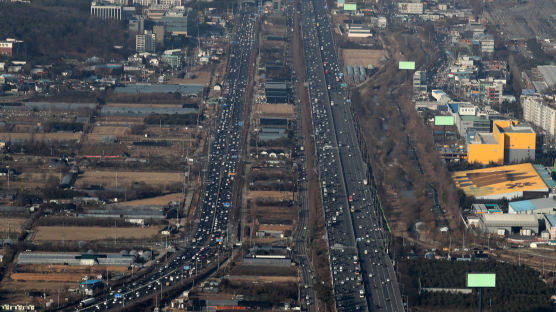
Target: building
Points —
{"points": [[276, 92], [540, 111], [509, 142], [137, 25], [145, 3], [91, 287], [485, 208], [537, 207], [358, 31], [75, 258], [501, 182], [541, 79], [550, 224], [509, 224], [419, 83], [175, 22], [410, 7], [11, 47], [145, 42], [159, 31], [171, 3], [173, 61], [106, 11]]}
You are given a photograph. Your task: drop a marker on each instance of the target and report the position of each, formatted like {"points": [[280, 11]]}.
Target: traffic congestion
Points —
{"points": [[210, 243], [362, 272]]}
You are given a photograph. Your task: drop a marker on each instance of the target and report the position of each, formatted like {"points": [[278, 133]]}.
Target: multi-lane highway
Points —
{"points": [[362, 272], [209, 243]]}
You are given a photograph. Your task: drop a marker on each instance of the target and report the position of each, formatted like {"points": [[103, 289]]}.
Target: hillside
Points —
{"points": [[63, 28]]}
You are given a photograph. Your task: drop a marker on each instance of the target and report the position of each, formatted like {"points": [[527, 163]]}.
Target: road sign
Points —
{"points": [[226, 204], [240, 123], [118, 296], [407, 65], [443, 120], [350, 7], [186, 267], [481, 279]]}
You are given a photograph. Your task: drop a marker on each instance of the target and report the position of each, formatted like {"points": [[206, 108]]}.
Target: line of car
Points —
{"points": [[354, 225], [210, 242]]}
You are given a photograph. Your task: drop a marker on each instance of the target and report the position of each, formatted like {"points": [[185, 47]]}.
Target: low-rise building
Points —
{"points": [[537, 207], [550, 224], [509, 224]]}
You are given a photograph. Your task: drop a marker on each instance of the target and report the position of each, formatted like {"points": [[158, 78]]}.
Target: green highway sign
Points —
{"points": [[481, 280], [350, 7], [443, 120], [407, 65]]}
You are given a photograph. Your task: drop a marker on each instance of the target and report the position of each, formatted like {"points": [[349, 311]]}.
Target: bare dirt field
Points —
{"points": [[145, 105], [58, 136], [112, 178], [202, 77], [110, 130], [269, 194], [362, 57], [159, 200], [11, 226], [47, 277], [263, 279], [90, 233]]}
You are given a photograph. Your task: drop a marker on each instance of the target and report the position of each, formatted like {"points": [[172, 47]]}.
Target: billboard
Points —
{"points": [[481, 280], [443, 120], [350, 7], [407, 65], [341, 2]]}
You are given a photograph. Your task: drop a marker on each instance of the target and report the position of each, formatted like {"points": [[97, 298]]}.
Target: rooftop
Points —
{"points": [[505, 219], [534, 204], [487, 138], [500, 181], [551, 219]]}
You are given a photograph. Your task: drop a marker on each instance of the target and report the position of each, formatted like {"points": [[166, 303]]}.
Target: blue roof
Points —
{"points": [[91, 282], [522, 205], [551, 219], [544, 175], [453, 107]]}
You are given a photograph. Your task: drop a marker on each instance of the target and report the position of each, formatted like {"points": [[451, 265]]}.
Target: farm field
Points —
{"points": [[270, 194], [10, 226], [47, 277], [90, 233], [362, 57]]}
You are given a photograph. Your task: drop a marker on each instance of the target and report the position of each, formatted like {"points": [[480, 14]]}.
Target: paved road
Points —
{"points": [[354, 226], [209, 243]]}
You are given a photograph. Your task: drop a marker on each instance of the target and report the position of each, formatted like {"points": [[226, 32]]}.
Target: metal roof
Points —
{"points": [[506, 219], [551, 219], [522, 205], [190, 89], [545, 176]]}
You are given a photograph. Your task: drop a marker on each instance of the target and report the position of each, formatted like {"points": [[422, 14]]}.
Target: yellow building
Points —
{"points": [[500, 182], [509, 142]]}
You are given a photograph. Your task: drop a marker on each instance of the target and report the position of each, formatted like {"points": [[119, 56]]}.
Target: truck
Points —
{"points": [[350, 198], [87, 302], [365, 182], [361, 293]]}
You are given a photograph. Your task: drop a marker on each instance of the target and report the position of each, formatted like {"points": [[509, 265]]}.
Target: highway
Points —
{"points": [[357, 238], [209, 243], [301, 236]]}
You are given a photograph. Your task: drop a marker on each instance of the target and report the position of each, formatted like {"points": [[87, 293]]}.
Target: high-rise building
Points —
{"points": [[106, 11], [145, 42], [540, 111], [137, 25], [158, 30], [175, 22], [419, 83]]}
